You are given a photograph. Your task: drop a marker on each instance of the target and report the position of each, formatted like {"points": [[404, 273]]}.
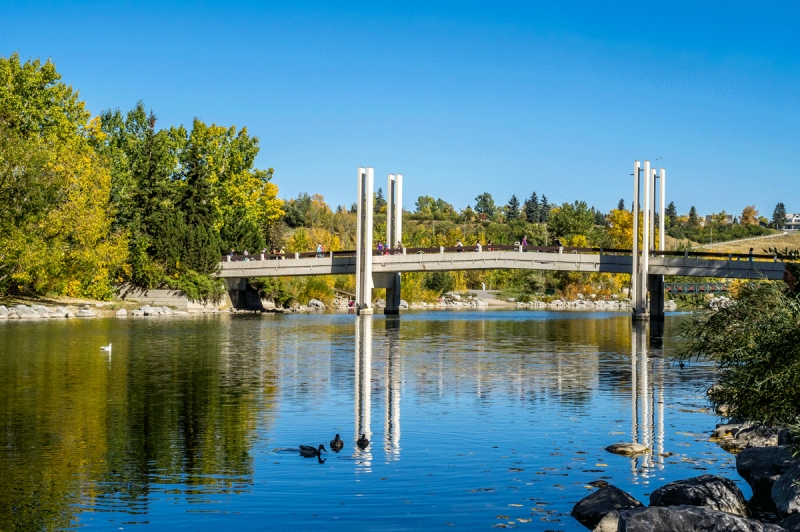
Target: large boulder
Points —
{"points": [[786, 492], [65, 312], [706, 490], [749, 435], [85, 313], [791, 523], [122, 313], [4, 312], [316, 303], [687, 519], [591, 509], [627, 448], [762, 466], [785, 437], [26, 312]]}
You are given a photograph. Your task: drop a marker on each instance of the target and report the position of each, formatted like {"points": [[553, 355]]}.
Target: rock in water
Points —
{"points": [[786, 492], [122, 313], [762, 466], [626, 448], [316, 303], [687, 519], [85, 313], [710, 491], [590, 510]]}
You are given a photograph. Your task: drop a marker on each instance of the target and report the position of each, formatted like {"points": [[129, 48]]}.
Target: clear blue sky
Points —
{"points": [[460, 97]]}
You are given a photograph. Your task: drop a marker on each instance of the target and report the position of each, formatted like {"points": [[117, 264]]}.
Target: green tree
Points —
{"points": [[671, 214], [379, 203], [779, 216], [694, 221], [55, 231], [484, 204], [571, 219], [200, 240], [755, 343], [532, 209], [434, 209], [512, 209], [544, 210]]}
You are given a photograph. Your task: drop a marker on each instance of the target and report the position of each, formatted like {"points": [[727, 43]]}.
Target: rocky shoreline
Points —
{"points": [[84, 310], [709, 503]]}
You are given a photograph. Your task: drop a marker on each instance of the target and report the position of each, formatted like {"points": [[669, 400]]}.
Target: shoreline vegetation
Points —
{"points": [[92, 202]]}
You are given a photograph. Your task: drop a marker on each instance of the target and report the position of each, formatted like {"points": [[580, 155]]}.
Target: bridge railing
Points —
{"points": [[717, 256], [696, 288], [497, 247]]}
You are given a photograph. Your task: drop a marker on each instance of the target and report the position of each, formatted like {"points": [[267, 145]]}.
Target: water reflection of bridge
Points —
{"points": [[392, 382], [647, 408], [647, 396]]}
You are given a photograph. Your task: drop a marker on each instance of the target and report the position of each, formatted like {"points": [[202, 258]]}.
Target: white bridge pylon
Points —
{"points": [[641, 279], [365, 280]]}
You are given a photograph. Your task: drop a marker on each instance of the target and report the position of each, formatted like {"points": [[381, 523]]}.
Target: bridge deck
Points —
{"points": [[720, 265]]}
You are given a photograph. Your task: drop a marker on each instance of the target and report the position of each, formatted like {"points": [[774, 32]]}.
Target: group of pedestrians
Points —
{"points": [[386, 249]]}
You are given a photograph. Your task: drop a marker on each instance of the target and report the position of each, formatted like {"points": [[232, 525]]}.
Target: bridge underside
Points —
{"points": [[497, 260]]}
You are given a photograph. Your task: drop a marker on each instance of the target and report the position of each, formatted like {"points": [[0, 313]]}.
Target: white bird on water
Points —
{"points": [[106, 348]]}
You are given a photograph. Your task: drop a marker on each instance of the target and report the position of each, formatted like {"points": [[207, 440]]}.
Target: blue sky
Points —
{"points": [[460, 97]]}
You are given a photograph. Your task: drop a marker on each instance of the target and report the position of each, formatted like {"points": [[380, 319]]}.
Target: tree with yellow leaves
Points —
{"points": [[55, 213], [749, 216]]}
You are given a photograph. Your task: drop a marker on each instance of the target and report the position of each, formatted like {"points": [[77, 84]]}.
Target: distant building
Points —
{"points": [[710, 217], [792, 222]]}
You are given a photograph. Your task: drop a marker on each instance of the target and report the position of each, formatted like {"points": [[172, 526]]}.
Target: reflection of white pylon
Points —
{"points": [[647, 425], [391, 423], [660, 430], [649, 428], [363, 388], [634, 391]]}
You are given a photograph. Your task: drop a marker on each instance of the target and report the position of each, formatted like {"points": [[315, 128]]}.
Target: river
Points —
{"points": [[476, 419]]}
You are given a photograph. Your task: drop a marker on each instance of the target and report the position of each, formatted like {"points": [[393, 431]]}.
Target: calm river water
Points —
{"points": [[476, 420]]}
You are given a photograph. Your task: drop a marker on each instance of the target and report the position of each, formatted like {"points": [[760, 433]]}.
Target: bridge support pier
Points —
{"points": [[364, 242], [394, 236], [655, 283]]}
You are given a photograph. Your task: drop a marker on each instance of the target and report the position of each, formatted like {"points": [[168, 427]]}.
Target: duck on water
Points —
{"points": [[337, 444], [310, 452]]}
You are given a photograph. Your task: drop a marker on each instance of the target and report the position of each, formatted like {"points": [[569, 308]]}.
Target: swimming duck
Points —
{"points": [[337, 444], [308, 451], [362, 442]]}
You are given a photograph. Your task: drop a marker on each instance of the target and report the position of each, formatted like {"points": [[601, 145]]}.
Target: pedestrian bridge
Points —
{"points": [[573, 259]]}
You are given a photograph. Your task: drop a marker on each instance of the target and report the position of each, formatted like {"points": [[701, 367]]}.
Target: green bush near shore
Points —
{"points": [[755, 343]]}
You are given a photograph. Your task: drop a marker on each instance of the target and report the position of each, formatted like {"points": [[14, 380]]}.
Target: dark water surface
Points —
{"points": [[476, 419]]}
